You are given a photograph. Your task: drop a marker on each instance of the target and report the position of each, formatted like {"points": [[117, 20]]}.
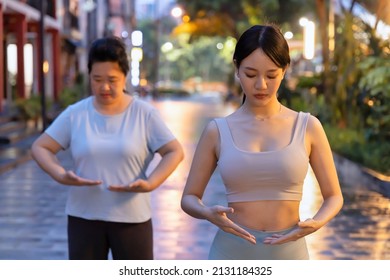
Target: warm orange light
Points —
{"points": [[143, 82], [45, 67], [186, 18]]}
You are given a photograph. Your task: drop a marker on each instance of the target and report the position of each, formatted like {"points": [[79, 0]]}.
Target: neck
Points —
{"points": [[266, 113], [113, 108]]}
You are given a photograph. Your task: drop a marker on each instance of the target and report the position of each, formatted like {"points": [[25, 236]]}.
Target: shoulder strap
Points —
{"points": [[224, 131], [300, 127]]}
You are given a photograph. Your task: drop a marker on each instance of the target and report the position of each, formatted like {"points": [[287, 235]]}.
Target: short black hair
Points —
{"points": [[110, 49]]}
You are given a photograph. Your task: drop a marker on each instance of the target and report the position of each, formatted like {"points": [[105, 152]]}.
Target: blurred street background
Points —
{"points": [[181, 62]]}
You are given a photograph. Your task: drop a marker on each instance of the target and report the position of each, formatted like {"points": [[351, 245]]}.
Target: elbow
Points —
{"points": [[180, 154], [183, 203], [33, 151], [341, 201]]}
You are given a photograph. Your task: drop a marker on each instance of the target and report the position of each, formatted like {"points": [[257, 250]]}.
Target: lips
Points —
{"points": [[260, 96]]}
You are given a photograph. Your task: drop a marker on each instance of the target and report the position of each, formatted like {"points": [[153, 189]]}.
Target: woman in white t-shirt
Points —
{"points": [[112, 138]]}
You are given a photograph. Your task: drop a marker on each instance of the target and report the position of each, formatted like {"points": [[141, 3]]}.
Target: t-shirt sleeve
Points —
{"points": [[158, 133], [60, 130]]}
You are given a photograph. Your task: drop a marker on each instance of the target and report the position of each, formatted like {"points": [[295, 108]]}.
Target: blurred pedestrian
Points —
{"points": [[112, 138], [263, 151]]}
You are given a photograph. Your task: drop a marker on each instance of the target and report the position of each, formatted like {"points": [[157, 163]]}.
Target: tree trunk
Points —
{"points": [[323, 19]]}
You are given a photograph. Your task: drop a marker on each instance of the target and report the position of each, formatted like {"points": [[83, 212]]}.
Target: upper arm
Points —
{"points": [[321, 159], [46, 142], [204, 161], [171, 146]]}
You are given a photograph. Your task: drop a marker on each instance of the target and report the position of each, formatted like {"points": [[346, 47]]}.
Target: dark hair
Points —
{"points": [[110, 49], [269, 39]]}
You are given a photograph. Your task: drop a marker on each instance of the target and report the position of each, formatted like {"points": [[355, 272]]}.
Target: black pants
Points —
{"points": [[92, 240]]}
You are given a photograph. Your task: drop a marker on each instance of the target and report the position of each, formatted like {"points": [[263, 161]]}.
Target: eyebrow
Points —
{"points": [[253, 69], [99, 76]]}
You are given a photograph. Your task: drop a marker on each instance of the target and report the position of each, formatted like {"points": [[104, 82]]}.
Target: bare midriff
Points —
{"points": [[266, 215]]}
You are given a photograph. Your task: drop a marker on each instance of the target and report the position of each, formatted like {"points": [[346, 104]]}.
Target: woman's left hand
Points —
{"points": [[302, 229], [138, 185]]}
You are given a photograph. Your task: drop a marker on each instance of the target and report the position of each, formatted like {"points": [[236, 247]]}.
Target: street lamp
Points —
{"points": [[136, 56], [176, 13], [308, 38]]}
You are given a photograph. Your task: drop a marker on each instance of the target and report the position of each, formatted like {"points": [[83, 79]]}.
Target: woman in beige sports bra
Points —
{"points": [[263, 151]]}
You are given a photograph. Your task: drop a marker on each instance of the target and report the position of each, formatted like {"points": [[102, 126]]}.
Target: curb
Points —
{"points": [[357, 176]]}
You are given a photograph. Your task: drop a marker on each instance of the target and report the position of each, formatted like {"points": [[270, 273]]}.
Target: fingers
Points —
{"points": [[73, 179], [117, 188], [224, 209], [303, 229], [228, 225], [273, 239], [136, 186], [243, 234]]}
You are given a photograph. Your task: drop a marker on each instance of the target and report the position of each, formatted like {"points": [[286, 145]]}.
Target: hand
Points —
{"points": [[302, 229], [70, 178], [217, 215], [138, 185]]}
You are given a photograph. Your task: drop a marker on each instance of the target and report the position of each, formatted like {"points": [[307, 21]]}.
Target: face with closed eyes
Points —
{"points": [[260, 78], [107, 82]]}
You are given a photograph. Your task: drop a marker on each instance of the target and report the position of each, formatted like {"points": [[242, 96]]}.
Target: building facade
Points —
{"points": [[69, 26]]}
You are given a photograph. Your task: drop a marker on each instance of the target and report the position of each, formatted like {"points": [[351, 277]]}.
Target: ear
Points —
{"points": [[284, 72], [236, 68]]}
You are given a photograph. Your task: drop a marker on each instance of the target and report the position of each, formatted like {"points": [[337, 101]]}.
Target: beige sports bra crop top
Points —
{"points": [[271, 175]]}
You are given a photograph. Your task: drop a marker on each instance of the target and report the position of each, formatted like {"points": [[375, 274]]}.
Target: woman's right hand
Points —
{"points": [[70, 178], [218, 215]]}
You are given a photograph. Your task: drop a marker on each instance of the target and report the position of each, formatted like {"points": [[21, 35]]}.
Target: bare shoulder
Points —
{"points": [[316, 135], [211, 130], [314, 126]]}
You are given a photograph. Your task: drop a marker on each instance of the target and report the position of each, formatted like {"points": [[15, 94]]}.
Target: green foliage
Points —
{"points": [[352, 144], [70, 95], [308, 82], [376, 88], [245, 13], [28, 108]]}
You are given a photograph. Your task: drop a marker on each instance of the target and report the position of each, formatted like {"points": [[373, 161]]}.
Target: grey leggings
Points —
{"points": [[227, 246]]}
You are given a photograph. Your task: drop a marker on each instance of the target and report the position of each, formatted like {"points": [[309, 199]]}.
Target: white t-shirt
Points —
{"points": [[115, 149]]}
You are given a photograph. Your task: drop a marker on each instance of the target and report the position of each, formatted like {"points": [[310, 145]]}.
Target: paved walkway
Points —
{"points": [[33, 223]]}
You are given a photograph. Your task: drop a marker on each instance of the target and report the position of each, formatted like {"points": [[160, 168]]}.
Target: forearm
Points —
{"points": [[329, 209], [48, 162], [194, 206], [164, 168]]}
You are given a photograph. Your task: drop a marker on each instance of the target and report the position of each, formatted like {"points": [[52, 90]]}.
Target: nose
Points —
{"points": [[105, 85], [260, 83]]}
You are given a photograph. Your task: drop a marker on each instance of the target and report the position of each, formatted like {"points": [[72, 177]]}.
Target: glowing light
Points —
{"points": [[186, 18], [219, 46], [303, 21], [177, 12], [136, 54], [308, 38], [288, 35], [46, 67], [166, 47], [28, 64], [12, 59], [136, 38]]}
